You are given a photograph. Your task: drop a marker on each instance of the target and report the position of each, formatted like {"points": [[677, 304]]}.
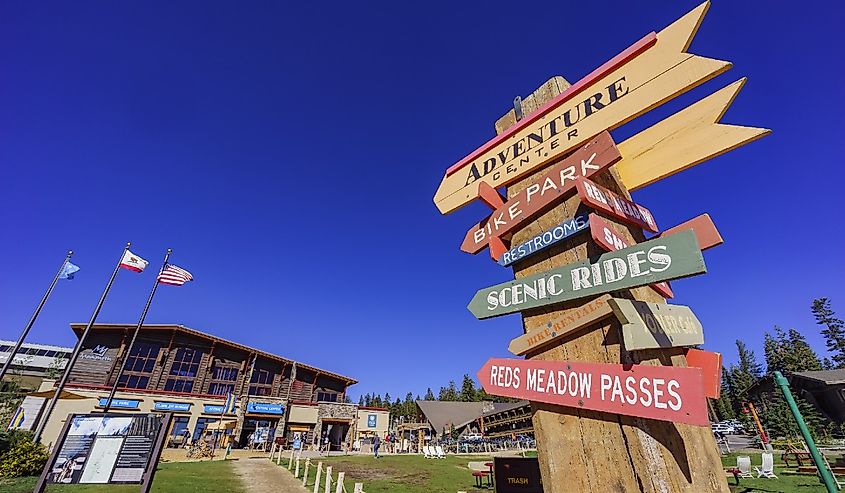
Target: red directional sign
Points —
{"points": [[654, 392], [594, 156], [710, 364], [602, 199]]}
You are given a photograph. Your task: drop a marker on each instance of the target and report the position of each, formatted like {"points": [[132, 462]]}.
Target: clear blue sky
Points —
{"points": [[289, 154]]}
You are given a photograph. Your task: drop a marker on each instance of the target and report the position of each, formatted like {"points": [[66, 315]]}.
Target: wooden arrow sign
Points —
{"points": [[596, 155], [656, 325], [685, 139], [602, 199], [574, 320], [606, 237], [656, 260], [652, 71], [653, 392], [562, 231], [710, 364]]}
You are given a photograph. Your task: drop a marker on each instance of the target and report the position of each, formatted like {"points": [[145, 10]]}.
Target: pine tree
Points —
{"points": [[773, 350], [449, 393], [724, 405], [429, 395], [746, 371], [361, 401], [833, 331], [468, 392], [799, 356]]}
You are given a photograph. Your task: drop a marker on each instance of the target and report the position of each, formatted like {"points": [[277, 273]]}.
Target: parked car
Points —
{"points": [[722, 428], [472, 437]]}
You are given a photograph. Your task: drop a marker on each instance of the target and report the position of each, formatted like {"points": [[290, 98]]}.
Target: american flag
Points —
{"points": [[175, 276]]}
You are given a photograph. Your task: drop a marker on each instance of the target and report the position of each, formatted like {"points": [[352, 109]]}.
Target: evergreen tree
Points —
{"points": [[746, 371], [361, 401], [724, 405], [449, 393], [799, 356], [833, 331], [386, 399], [773, 350], [468, 392], [429, 395], [827, 364]]}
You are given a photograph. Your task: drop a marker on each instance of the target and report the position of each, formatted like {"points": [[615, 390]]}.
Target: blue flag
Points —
{"points": [[68, 271]]}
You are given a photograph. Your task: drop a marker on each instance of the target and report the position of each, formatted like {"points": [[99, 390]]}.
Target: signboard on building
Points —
{"points": [[648, 325], [517, 475], [265, 408], [107, 449], [656, 260], [119, 403], [656, 392], [172, 406]]}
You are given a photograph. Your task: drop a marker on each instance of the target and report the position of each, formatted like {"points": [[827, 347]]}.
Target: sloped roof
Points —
{"points": [[443, 413], [829, 377], [499, 407]]}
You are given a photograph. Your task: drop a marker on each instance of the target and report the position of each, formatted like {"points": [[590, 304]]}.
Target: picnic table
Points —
{"points": [[483, 474]]}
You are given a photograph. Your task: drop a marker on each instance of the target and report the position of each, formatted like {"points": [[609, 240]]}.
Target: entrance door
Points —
{"points": [[336, 432], [257, 433]]}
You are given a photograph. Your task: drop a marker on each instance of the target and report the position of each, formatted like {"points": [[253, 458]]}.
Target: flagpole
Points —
{"points": [[18, 345], [135, 334], [75, 354]]}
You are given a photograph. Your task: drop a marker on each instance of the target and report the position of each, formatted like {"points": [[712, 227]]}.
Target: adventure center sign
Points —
{"points": [[656, 392], [652, 71], [656, 260]]}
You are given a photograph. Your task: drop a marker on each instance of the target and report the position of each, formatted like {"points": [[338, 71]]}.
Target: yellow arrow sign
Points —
{"points": [[650, 74], [687, 138]]}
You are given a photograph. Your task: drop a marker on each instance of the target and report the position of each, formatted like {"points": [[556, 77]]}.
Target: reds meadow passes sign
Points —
{"points": [[654, 392], [647, 74], [591, 158], [656, 260]]}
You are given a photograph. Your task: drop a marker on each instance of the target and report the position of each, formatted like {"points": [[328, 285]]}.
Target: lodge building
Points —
{"points": [[177, 369]]}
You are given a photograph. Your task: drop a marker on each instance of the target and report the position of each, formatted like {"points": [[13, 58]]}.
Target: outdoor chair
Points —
{"points": [[440, 453], [743, 463], [768, 468], [427, 452]]}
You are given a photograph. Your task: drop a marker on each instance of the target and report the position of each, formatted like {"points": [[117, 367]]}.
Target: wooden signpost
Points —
{"points": [[567, 328], [593, 157], [602, 199], [545, 239], [650, 72], [656, 325], [584, 316], [655, 392], [660, 259]]}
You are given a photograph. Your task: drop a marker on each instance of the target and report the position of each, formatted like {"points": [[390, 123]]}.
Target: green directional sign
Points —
{"points": [[656, 260]]}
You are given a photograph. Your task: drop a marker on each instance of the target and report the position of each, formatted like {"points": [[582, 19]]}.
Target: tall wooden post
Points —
{"points": [[583, 450]]}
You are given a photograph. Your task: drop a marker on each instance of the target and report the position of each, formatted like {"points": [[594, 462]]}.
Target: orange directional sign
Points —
{"points": [[655, 392], [652, 71], [710, 364], [593, 157], [574, 320]]}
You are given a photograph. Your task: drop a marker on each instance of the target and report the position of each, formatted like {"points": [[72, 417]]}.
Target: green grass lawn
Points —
{"points": [[415, 474], [179, 477]]}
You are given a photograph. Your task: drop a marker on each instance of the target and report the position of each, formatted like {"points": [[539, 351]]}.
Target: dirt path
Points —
{"points": [[260, 475]]}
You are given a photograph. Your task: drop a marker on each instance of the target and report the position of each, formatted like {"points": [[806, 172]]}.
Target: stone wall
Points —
{"points": [[336, 411]]}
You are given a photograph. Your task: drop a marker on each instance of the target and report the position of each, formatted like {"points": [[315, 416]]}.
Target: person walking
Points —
{"points": [[376, 444]]}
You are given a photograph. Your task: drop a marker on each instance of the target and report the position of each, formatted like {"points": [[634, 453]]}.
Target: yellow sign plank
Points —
{"points": [[689, 137], [648, 79]]}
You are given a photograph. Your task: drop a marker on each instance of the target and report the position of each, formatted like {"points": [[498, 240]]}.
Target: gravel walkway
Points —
{"points": [[260, 475]]}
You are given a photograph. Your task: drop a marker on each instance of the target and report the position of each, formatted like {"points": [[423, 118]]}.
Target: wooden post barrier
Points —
{"points": [[576, 445], [328, 480], [339, 487], [279, 456], [359, 488], [305, 473], [272, 450], [296, 469], [290, 460], [318, 477]]}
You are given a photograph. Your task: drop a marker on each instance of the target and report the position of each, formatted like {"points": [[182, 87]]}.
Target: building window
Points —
{"points": [[326, 397], [179, 385], [186, 363], [139, 366], [223, 380], [261, 382]]}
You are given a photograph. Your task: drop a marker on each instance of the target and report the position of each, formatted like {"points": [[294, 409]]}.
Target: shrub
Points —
{"points": [[22, 457]]}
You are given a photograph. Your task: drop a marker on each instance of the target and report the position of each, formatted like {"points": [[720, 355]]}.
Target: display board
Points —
{"points": [[107, 448], [517, 475]]}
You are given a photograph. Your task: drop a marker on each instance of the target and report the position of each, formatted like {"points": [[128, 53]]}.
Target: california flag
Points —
{"points": [[133, 262]]}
